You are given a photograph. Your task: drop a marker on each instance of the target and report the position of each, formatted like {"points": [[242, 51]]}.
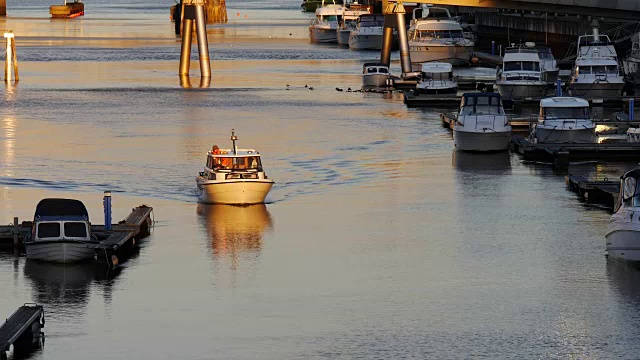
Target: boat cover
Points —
{"points": [[69, 209]]}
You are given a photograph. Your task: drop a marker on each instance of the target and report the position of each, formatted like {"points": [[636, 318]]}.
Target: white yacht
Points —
{"points": [[520, 76], [564, 120], [233, 176], [548, 64], [349, 23], [324, 25], [623, 232], [437, 37], [596, 73], [437, 78], [481, 124], [375, 75], [368, 33], [61, 232]]}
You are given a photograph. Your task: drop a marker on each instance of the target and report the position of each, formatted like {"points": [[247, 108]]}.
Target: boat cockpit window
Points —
{"points": [[75, 229], [559, 113], [482, 105], [332, 18], [382, 71], [521, 65], [630, 192], [437, 76], [439, 34], [372, 70], [237, 163], [600, 69], [48, 230]]}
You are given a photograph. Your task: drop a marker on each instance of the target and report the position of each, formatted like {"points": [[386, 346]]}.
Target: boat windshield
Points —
{"points": [[600, 69], [235, 163], [482, 105], [521, 65], [559, 113], [630, 192], [439, 34], [48, 230], [437, 76]]}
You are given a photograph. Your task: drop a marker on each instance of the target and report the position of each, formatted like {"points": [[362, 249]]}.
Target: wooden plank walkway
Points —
{"points": [[599, 192], [19, 323]]}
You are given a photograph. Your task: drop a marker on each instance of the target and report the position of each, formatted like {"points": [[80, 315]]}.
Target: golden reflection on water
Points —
{"points": [[235, 229]]}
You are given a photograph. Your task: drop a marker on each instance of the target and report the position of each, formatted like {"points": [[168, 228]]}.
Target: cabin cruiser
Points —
{"points": [[375, 75], [61, 232], [368, 33], [349, 23], [313, 5], [520, 76], [437, 78], [631, 62], [324, 25], [548, 64], [623, 231], [233, 176], [596, 73], [481, 124], [437, 37], [564, 120]]}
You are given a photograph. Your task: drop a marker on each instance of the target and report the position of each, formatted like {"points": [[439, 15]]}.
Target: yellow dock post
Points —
{"points": [[11, 62]]}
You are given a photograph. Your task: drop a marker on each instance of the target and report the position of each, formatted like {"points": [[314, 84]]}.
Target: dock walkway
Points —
{"points": [[22, 329], [599, 192]]}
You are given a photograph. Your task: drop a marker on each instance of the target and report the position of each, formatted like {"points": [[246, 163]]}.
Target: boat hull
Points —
{"points": [[551, 134], [601, 90], [375, 80], [509, 90], [323, 35], [365, 42], [60, 251], [624, 244], [481, 141], [437, 91], [240, 192], [343, 36], [454, 55]]}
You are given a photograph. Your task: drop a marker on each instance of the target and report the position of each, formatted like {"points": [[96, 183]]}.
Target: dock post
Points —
{"points": [[16, 232], [106, 201], [558, 87], [203, 44], [187, 33], [493, 47], [631, 108], [11, 61], [387, 42]]}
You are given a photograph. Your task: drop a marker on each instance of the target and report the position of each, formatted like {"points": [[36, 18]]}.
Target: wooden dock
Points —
{"points": [[603, 193], [22, 330], [426, 100]]}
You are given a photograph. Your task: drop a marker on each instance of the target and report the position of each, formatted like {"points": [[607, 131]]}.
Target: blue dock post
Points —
{"points": [[106, 202], [493, 47], [631, 108], [559, 87]]}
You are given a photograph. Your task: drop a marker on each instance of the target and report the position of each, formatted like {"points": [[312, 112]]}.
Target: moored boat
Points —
{"points": [[437, 78], [520, 76], [564, 120], [61, 232], [323, 28], [623, 231], [349, 22], [481, 124], [375, 75], [368, 33], [233, 176]]}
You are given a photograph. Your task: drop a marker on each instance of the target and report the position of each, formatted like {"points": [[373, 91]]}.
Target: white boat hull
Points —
{"points": [[481, 141], [511, 90], [546, 134], [600, 90], [343, 36], [375, 80], [624, 244], [60, 251], [237, 192], [323, 35], [454, 55], [365, 42]]}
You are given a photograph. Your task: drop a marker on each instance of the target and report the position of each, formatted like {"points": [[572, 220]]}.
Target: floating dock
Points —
{"points": [[23, 330], [603, 193]]}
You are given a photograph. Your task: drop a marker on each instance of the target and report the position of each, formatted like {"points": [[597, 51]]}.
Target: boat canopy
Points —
{"points": [[61, 209], [481, 104], [629, 191], [564, 102], [375, 68], [330, 10], [430, 12], [436, 67]]}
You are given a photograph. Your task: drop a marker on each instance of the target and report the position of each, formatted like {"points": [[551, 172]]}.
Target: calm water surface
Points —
{"points": [[377, 241]]}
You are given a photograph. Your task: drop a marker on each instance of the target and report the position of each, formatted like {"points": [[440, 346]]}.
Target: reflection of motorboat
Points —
{"points": [[235, 228], [60, 283], [625, 280], [623, 232], [494, 162]]}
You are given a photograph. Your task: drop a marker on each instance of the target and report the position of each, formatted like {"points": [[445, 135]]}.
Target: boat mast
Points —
{"points": [[234, 138]]}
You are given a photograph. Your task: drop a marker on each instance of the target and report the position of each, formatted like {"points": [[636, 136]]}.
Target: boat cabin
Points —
{"points": [[430, 12], [436, 71], [329, 13], [371, 20], [375, 68], [477, 104], [564, 108], [629, 195], [61, 219]]}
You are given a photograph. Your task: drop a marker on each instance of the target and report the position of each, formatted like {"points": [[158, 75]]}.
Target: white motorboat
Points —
{"points": [[481, 123], [596, 73], [233, 176], [61, 232], [564, 120], [437, 37], [349, 23], [631, 62], [368, 33], [520, 76], [623, 232], [324, 25], [548, 64], [375, 75], [437, 78]]}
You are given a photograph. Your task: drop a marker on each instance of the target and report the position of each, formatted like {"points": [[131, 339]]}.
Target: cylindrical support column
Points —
{"points": [[559, 87], [106, 202], [185, 51], [387, 43], [203, 44], [16, 232], [631, 108], [493, 47], [405, 57], [8, 63]]}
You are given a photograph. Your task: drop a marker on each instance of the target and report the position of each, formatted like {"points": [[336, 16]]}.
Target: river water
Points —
{"points": [[378, 240]]}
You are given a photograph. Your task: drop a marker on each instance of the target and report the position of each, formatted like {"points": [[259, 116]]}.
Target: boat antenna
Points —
{"points": [[234, 138]]}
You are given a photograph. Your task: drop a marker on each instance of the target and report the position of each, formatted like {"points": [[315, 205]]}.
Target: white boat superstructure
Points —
{"points": [[564, 120], [437, 37], [631, 62], [324, 25], [623, 231], [520, 76], [481, 124], [233, 176], [548, 64], [375, 75], [368, 33], [596, 73], [437, 78], [61, 232], [349, 23]]}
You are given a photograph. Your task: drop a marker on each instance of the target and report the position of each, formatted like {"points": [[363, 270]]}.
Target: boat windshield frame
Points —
{"points": [[471, 106], [234, 163], [629, 190], [565, 113]]}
